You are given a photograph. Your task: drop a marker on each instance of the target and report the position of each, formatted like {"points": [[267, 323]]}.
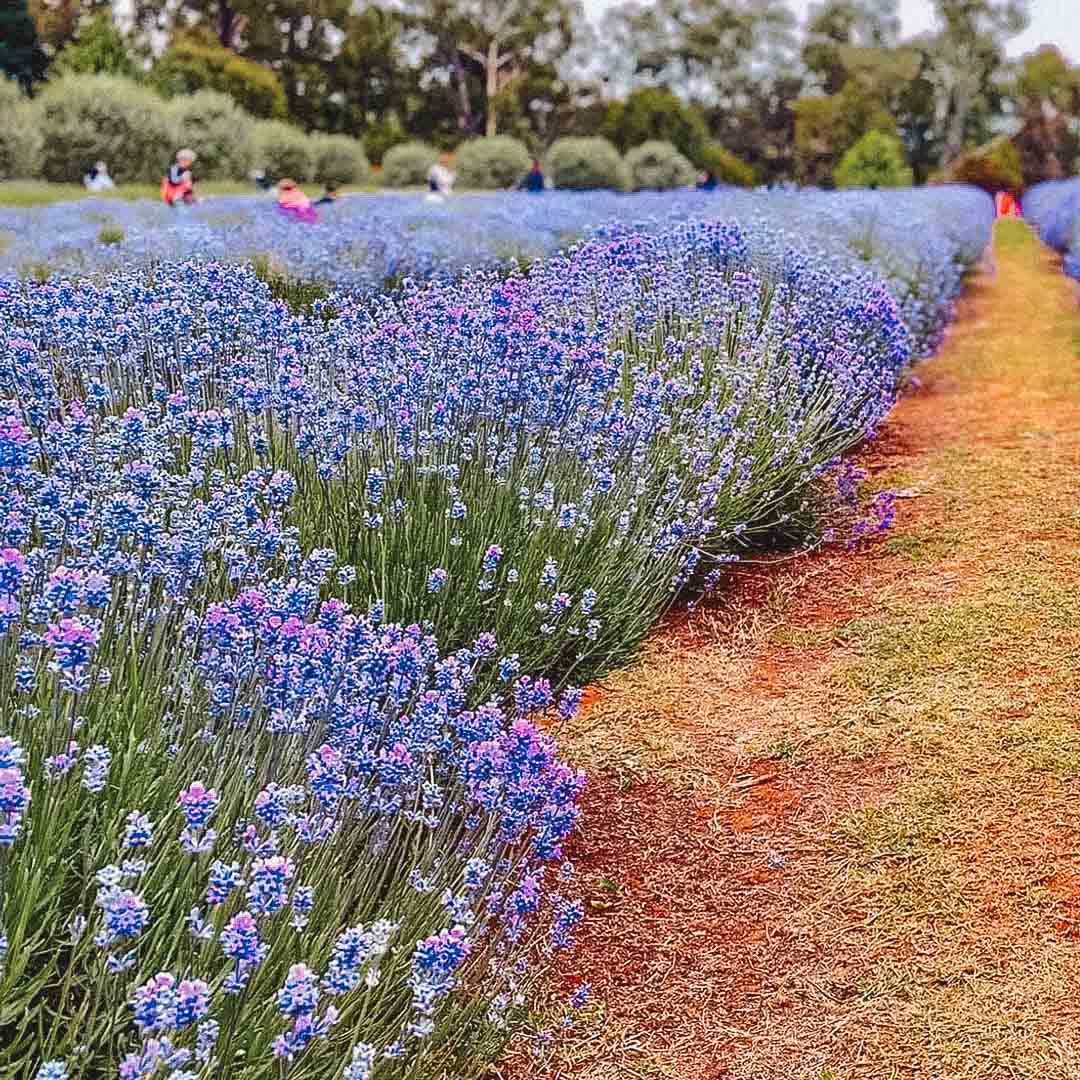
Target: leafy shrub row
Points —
{"points": [[579, 163], [80, 119]]}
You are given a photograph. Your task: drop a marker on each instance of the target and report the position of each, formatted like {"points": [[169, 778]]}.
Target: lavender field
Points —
{"points": [[292, 595]]}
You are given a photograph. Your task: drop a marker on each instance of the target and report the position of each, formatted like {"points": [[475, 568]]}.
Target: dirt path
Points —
{"points": [[834, 833]]}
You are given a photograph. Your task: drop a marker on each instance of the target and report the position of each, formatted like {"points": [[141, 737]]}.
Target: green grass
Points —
{"points": [[43, 193]]}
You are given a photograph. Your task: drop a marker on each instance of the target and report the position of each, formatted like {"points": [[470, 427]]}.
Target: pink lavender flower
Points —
{"points": [[72, 640]]}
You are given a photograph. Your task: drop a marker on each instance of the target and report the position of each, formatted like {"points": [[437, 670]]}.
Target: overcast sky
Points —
{"points": [[1053, 21]]}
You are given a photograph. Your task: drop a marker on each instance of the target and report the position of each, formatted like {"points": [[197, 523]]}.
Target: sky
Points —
{"points": [[1055, 22]]}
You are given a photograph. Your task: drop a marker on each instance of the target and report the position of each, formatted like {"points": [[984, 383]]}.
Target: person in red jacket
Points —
{"points": [[178, 185], [293, 203], [1006, 204]]}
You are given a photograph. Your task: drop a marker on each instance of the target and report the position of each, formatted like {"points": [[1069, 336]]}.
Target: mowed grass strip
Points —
{"points": [[835, 825]]}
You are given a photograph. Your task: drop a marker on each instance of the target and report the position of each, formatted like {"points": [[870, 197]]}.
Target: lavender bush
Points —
{"points": [[282, 595], [1054, 209]]}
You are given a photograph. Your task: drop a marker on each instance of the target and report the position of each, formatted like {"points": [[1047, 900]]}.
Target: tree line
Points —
{"points": [[787, 99]]}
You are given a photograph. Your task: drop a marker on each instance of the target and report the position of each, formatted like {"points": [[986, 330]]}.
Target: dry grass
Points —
{"points": [[834, 831]]}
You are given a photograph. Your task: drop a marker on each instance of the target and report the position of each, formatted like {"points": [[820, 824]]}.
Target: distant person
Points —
{"points": [[98, 178], [329, 195], [178, 184], [440, 180], [293, 203], [262, 180], [533, 180], [709, 182], [1006, 205]]}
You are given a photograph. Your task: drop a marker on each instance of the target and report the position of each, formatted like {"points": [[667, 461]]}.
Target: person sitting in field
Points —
{"points": [[98, 178], [533, 180], [293, 203], [440, 179], [329, 195], [262, 180], [178, 184], [709, 182]]}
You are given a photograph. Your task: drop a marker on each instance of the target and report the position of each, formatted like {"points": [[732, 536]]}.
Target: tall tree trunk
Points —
{"points": [[464, 109], [226, 24], [491, 69]]}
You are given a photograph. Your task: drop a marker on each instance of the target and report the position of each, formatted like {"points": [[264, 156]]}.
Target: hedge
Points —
{"points": [[657, 166], [496, 162], [586, 163]]}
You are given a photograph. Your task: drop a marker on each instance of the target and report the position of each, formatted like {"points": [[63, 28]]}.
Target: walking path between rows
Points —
{"points": [[833, 826]]}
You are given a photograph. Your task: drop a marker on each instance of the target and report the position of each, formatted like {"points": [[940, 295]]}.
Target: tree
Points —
{"points": [[21, 55], [963, 62], [836, 27], [542, 106], [191, 64], [875, 161], [993, 167], [367, 85], [826, 127], [58, 21], [1045, 99], [707, 49], [652, 113], [224, 20], [298, 39], [495, 41], [98, 49], [736, 58]]}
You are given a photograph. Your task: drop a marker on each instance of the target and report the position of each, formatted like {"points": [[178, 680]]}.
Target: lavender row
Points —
{"points": [[1054, 209], [369, 243], [282, 597]]}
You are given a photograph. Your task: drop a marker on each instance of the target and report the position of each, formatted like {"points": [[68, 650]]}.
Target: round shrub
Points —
{"points": [[875, 161], [20, 143], [496, 162], [727, 167], [282, 150], [407, 164], [585, 163], [84, 118], [337, 159], [219, 131], [657, 166]]}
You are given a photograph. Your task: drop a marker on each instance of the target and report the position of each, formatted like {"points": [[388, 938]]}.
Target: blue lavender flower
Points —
{"points": [[138, 831]]}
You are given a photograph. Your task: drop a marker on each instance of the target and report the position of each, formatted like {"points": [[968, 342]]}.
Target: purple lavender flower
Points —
{"points": [[300, 994], [72, 640], [125, 914], [198, 804], [268, 886], [224, 878], [241, 943], [138, 831]]}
